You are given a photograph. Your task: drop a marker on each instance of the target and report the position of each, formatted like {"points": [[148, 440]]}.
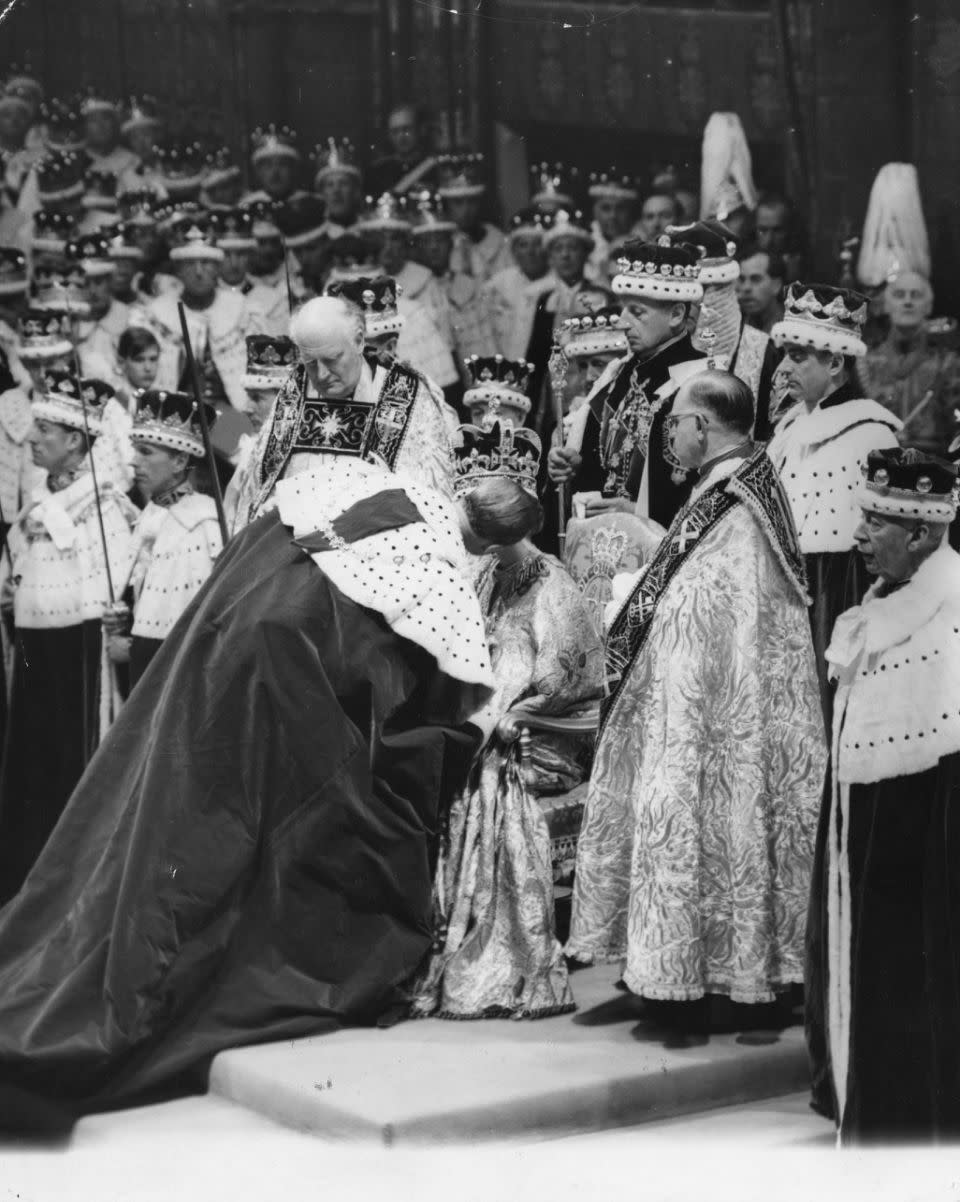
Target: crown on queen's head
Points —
{"points": [[503, 452]]}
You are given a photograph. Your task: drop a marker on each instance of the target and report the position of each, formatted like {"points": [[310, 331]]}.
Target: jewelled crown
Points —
{"points": [[609, 185], [50, 230], [99, 189], [138, 207], [171, 420], [121, 244], [232, 229], [303, 220], [565, 223], [92, 253], [181, 167], [715, 245], [905, 482], [596, 333], [377, 297], [822, 318], [142, 113], [70, 402], [195, 242], [335, 157], [274, 141], [60, 175], [388, 212], [551, 187], [44, 334], [461, 175], [92, 100], [269, 361], [658, 271], [13, 271], [265, 214], [528, 221], [14, 96], [503, 452], [64, 127], [64, 289], [430, 217], [219, 168], [498, 391]]}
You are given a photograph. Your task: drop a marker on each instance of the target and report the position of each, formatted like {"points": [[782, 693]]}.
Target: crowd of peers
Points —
{"points": [[278, 597]]}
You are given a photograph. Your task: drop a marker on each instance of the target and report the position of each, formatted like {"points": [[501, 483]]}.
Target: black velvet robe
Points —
{"points": [[249, 855], [50, 735], [903, 1080]]}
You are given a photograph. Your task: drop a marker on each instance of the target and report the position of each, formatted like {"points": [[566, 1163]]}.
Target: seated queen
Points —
{"points": [[495, 952]]}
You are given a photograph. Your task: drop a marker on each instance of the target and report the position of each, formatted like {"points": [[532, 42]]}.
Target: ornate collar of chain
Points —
{"points": [[515, 579], [175, 493], [62, 480]]}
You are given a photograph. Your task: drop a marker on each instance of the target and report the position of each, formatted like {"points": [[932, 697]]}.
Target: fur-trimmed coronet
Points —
{"points": [[272, 142], [498, 391], [822, 318], [377, 297], [716, 246], [171, 420], [598, 333], [71, 402], [461, 175], [906, 482], [269, 360], [335, 157], [658, 271]]}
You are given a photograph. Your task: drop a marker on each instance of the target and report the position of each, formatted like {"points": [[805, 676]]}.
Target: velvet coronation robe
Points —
{"points": [[885, 916], [249, 854], [697, 842]]}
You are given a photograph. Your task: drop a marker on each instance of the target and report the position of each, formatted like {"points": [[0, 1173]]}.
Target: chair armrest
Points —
{"points": [[517, 720]]}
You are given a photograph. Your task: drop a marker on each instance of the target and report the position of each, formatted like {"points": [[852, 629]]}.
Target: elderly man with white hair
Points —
{"points": [[333, 403]]}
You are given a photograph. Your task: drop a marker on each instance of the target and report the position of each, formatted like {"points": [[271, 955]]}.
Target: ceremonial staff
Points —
{"points": [[286, 269], [74, 342], [557, 368], [204, 428]]}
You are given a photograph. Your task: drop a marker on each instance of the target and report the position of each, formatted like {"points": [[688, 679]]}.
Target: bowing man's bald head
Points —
{"points": [[329, 333], [326, 323]]}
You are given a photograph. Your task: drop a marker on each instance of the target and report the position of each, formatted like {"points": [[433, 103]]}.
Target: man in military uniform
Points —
{"points": [[911, 372]]}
